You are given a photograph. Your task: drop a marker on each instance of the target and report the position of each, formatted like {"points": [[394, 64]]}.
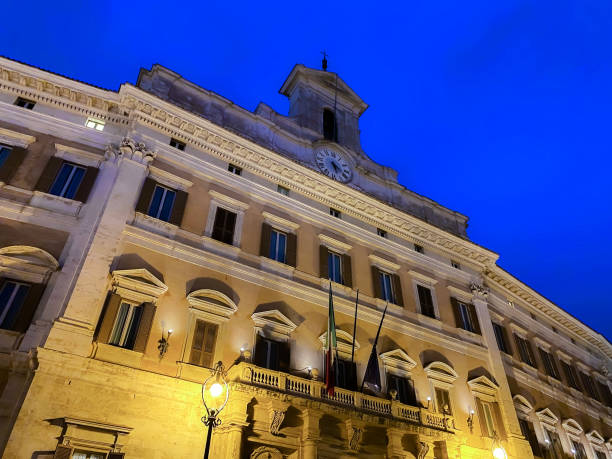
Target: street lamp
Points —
{"points": [[215, 393]]}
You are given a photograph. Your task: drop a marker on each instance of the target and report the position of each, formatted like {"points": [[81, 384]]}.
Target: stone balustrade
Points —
{"points": [[283, 382]]}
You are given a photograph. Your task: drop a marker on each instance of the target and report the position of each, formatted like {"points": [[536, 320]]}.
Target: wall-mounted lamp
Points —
{"points": [[428, 402], [245, 354], [470, 421], [163, 343], [497, 449]]}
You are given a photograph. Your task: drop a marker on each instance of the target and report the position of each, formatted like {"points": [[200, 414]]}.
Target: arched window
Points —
{"points": [[329, 125]]}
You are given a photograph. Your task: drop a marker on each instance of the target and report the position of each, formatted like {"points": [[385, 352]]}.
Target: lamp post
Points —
{"points": [[215, 393]]}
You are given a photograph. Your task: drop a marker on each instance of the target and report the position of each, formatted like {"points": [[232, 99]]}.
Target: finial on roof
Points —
{"points": [[324, 62]]}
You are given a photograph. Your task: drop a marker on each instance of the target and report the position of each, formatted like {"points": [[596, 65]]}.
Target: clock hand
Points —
{"points": [[335, 167]]}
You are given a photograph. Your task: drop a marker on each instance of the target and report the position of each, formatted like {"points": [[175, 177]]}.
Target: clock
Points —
{"points": [[333, 164]]}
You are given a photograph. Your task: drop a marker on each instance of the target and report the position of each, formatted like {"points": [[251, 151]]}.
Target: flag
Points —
{"points": [[355, 327], [330, 347], [371, 378]]}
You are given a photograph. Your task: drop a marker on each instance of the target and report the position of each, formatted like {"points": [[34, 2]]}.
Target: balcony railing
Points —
{"points": [[284, 382]]}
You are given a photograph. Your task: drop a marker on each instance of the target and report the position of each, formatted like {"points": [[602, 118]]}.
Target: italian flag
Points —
{"points": [[330, 347]]}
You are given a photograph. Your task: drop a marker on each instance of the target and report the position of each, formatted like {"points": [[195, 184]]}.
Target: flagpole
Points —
{"points": [[355, 327], [373, 356]]}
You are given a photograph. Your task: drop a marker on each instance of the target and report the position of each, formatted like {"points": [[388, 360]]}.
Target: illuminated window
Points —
{"points": [[282, 190], [234, 169], [443, 403], [87, 455], [25, 103], [335, 213], [381, 232], [95, 124]]}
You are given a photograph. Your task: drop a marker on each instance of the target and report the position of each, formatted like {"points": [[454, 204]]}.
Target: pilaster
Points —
{"points": [[93, 247], [310, 432]]}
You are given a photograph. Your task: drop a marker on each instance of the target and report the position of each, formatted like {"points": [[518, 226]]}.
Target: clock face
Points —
{"points": [[333, 165]]}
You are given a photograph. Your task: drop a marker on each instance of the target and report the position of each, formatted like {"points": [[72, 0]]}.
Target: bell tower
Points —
{"points": [[321, 101]]}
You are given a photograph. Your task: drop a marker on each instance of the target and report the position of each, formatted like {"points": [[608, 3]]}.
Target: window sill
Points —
{"points": [[335, 287], [155, 225], [470, 336], [55, 203], [220, 248], [276, 267], [114, 354], [434, 322], [190, 372], [9, 340]]}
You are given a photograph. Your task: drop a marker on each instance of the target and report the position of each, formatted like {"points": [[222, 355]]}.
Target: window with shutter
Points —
{"points": [[578, 449], [589, 387], [500, 337], [605, 394], [334, 267], [426, 301], [127, 323], [12, 298], [278, 246], [443, 403], [270, 354], [404, 388], [224, 226], [529, 433], [549, 364], [525, 351], [10, 159], [203, 343], [162, 202], [386, 286], [570, 375], [346, 374]]}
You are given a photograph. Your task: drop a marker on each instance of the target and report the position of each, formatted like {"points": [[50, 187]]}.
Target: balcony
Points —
{"points": [[250, 374]]}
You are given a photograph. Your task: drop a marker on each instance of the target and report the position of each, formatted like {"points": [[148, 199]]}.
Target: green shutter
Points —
{"points": [[12, 162], [323, 262], [24, 317], [376, 282], [456, 312], [86, 184], [144, 328], [474, 318], [45, 181], [266, 235], [109, 315], [397, 289], [347, 271], [178, 208], [291, 249], [145, 195]]}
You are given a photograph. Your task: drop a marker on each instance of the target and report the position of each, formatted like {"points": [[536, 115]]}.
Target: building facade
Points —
{"points": [[149, 232]]}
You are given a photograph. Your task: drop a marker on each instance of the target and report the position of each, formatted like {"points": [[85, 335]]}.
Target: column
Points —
{"points": [[395, 450], [518, 446], [227, 441], [310, 432], [78, 302]]}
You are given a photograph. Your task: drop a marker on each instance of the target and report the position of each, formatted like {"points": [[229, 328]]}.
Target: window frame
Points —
{"points": [[231, 205], [391, 298], [335, 213], [236, 170], [162, 202], [282, 190], [175, 143], [6, 309], [416, 284], [274, 251], [5, 148], [331, 254], [95, 124], [22, 102], [128, 326], [501, 336], [68, 182]]}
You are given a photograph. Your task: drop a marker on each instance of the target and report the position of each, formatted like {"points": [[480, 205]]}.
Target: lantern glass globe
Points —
{"points": [[216, 389]]}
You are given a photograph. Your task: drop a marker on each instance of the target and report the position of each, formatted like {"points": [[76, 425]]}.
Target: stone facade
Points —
{"points": [[160, 229]]}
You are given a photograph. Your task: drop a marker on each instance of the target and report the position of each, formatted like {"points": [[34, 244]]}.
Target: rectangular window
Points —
{"points": [[278, 246], [589, 387], [334, 263], [404, 388], [386, 286], [605, 394], [161, 203], [455, 264], [419, 248], [335, 213], [25, 103], [381, 232], [578, 450], [525, 351], [529, 433], [500, 337], [126, 326], [234, 169], [95, 124], [443, 404], [203, 343], [346, 374], [600, 454], [270, 354], [570, 375], [68, 180], [549, 364], [12, 297], [177, 144], [224, 226], [282, 190], [489, 423], [555, 448], [426, 301], [4, 154], [466, 317]]}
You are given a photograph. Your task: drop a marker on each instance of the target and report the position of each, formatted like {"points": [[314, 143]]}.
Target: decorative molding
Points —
{"points": [[334, 244], [397, 362], [280, 223], [168, 179], [15, 139], [344, 341], [520, 331], [460, 294], [571, 426], [384, 264], [595, 437], [138, 285], [266, 452], [273, 323], [276, 420], [546, 416], [217, 306], [441, 372], [422, 449], [98, 425], [483, 387], [55, 203], [522, 405], [28, 264], [129, 149], [228, 201], [479, 291], [76, 155], [541, 344], [422, 278]]}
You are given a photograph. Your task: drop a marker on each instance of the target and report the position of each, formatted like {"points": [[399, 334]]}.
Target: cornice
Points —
{"points": [[201, 133], [536, 301], [16, 139]]}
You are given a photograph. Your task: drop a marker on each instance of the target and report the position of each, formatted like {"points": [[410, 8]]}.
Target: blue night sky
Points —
{"points": [[499, 110]]}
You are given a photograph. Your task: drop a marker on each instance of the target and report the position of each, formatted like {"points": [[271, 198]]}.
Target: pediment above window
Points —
{"points": [[29, 264], [441, 373], [397, 362], [138, 285], [571, 426], [212, 304], [594, 437], [344, 341], [274, 324], [522, 405], [547, 417], [483, 387]]}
